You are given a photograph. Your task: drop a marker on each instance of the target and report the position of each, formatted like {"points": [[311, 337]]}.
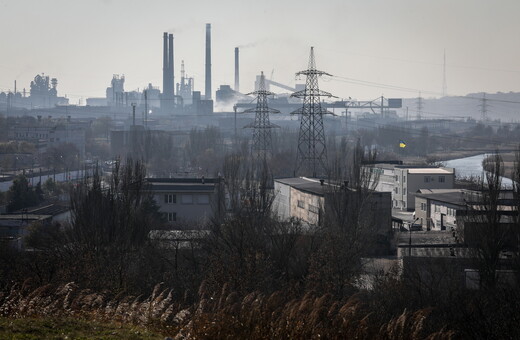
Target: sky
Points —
{"points": [[393, 48]]}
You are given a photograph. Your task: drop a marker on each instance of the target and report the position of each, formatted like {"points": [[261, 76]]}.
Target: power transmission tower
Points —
{"points": [[484, 106], [311, 159], [262, 143], [444, 83], [420, 105]]}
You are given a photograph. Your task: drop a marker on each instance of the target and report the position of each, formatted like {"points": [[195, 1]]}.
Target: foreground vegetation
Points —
{"points": [[254, 277], [69, 328]]}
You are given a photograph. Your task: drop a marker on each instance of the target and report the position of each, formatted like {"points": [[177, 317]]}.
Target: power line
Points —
{"points": [[418, 133], [407, 89]]}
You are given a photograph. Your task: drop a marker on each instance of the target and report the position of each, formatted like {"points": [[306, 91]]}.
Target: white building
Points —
{"points": [[403, 181]]}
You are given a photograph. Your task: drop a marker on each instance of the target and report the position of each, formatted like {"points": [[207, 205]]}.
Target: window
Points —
{"points": [[396, 178], [404, 191], [187, 199], [437, 208], [426, 179], [314, 209], [203, 199], [172, 217], [441, 179], [301, 204], [396, 190], [404, 179], [170, 198]]}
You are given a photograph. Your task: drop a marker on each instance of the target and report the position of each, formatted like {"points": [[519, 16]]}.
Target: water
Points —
{"points": [[472, 167]]}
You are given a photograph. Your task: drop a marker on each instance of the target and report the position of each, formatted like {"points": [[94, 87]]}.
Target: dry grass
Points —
{"points": [[222, 314]]}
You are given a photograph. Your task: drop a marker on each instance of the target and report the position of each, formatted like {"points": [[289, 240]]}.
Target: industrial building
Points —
{"points": [[43, 94], [50, 133], [309, 200], [403, 181], [184, 201]]}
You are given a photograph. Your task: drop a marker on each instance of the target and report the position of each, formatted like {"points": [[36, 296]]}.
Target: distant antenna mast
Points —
{"points": [[444, 83], [311, 159], [484, 106], [420, 105]]}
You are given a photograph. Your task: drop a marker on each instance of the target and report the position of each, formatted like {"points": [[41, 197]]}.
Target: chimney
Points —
{"points": [[165, 64], [207, 93], [171, 87], [237, 77]]}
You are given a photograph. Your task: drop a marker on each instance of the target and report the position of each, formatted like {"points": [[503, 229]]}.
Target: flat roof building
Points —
{"points": [[403, 181], [184, 201]]}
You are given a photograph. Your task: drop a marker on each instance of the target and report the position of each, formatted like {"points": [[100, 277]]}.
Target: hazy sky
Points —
{"points": [[397, 43]]}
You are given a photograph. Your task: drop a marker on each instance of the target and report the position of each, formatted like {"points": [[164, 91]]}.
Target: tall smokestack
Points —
{"points": [[171, 86], [208, 62], [165, 64], [237, 77]]}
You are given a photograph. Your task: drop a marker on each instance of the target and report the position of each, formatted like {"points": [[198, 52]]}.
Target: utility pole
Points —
{"points": [[133, 115], [133, 132], [484, 106], [420, 105], [311, 158], [145, 108]]}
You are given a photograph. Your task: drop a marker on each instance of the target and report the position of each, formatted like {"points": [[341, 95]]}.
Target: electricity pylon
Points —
{"points": [[261, 148], [311, 159]]}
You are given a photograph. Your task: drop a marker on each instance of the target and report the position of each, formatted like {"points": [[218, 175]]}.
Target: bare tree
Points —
{"points": [[487, 225]]}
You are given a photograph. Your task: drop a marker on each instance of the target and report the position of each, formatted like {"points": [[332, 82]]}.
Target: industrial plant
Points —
{"points": [[251, 208]]}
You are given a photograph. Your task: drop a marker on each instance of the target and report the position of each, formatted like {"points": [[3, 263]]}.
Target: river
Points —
{"points": [[472, 167]]}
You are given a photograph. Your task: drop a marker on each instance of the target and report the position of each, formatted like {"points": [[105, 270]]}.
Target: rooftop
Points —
{"points": [[50, 209], [452, 196], [440, 171], [415, 169], [310, 185], [182, 184]]}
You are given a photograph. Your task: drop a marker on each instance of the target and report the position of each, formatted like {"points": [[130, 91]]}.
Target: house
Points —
{"points": [[184, 200], [403, 181]]}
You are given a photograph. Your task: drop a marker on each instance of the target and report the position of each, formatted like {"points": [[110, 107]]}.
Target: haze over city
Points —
{"points": [[290, 169], [396, 47]]}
